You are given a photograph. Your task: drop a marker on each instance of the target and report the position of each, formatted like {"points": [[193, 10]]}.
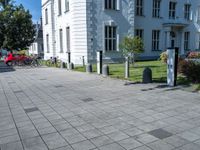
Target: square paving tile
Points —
{"points": [[28, 110], [160, 133], [85, 145]]}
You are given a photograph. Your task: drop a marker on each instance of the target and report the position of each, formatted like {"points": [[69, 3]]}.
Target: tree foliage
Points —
{"points": [[17, 30], [131, 45], [5, 3]]}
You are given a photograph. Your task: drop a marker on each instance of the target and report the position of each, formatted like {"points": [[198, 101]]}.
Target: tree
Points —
{"points": [[5, 3], [131, 45], [17, 30]]}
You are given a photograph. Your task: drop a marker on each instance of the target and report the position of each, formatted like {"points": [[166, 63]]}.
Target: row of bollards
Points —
{"points": [[147, 73], [69, 66], [105, 69]]}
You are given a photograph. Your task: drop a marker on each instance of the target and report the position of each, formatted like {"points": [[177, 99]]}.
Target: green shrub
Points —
{"points": [[163, 57], [190, 69]]}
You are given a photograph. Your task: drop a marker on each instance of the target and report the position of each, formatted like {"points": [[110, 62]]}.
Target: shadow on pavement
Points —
{"points": [[5, 68]]}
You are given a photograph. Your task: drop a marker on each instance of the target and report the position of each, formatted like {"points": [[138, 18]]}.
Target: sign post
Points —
{"points": [[99, 62], [172, 66]]}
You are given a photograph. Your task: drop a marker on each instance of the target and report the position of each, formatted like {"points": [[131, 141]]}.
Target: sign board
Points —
{"points": [[172, 64], [99, 62]]}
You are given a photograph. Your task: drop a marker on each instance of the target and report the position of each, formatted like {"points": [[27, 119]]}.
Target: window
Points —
{"points": [[66, 5], [68, 38], [187, 11], [156, 8], [155, 39], [110, 4], [172, 10], [59, 7], [186, 40], [198, 19], [46, 16], [139, 33], [139, 7], [61, 40], [47, 42], [110, 38]]}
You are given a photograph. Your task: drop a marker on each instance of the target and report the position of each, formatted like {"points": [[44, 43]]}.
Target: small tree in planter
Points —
{"points": [[131, 46]]}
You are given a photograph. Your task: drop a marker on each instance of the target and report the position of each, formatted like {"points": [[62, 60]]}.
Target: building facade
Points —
{"points": [[37, 47], [83, 27]]}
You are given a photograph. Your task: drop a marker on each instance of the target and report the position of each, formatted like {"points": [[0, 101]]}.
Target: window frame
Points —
{"points": [[156, 8], [139, 33], [110, 38], [68, 41], [155, 40], [187, 10], [47, 43], [61, 40], [186, 40], [46, 16], [172, 10], [110, 4], [59, 7], [139, 8], [66, 5]]}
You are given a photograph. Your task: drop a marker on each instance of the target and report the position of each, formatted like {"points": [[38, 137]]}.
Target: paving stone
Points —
{"points": [[130, 143], [113, 146], [9, 139], [92, 133], [85, 145], [190, 146], [160, 145], [65, 148], [48, 130], [176, 141], [12, 146], [133, 131], [54, 140], [160, 133], [143, 148], [190, 136], [34, 143], [146, 138], [101, 140], [108, 129], [85, 127], [118, 136], [74, 138]]}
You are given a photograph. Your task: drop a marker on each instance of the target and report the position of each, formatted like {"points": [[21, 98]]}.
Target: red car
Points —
{"points": [[15, 59]]}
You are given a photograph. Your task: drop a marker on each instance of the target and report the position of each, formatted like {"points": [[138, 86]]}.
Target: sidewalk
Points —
{"points": [[49, 108]]}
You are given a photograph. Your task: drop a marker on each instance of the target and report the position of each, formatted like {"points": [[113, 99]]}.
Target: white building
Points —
{"points": [[37, 48], [83, 27]]}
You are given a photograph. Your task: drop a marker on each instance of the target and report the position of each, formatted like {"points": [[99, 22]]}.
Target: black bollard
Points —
{"points": [[147, 75]]}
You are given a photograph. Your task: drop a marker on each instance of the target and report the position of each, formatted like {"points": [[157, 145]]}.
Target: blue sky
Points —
{"points": [[34, 7]]}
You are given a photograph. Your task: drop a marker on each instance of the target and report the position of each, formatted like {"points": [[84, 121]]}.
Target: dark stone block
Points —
{"points": [[160, 133]]}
